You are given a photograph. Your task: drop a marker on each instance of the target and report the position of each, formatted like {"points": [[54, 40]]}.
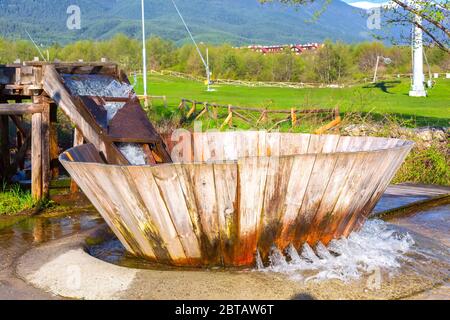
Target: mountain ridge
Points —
{"points": [[239, 22]]}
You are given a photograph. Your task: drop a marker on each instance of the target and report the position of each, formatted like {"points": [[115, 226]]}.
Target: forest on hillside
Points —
{"points": [[334, 62]]}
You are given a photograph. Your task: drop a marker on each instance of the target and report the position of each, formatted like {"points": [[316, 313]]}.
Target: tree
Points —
{"points": [[332, 62], [434, 16]]}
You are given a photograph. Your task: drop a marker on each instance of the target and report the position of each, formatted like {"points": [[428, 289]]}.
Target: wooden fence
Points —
{"points": [[258, 117]]}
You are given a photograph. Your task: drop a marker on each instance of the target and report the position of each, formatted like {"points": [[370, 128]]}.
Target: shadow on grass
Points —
{"points": [[383, 85]]}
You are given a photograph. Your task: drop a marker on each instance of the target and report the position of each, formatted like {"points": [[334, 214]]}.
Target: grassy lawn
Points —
{"points": [[14, 200], [390, 97]]}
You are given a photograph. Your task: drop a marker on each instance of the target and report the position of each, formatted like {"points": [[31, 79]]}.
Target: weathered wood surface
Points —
{"points": [[235, 193], [407, 194], [73, 108], [20, 108], [36, 156]]}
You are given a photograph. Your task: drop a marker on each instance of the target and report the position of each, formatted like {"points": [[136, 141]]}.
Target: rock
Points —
{"points": [[425, 135], [439, 135]]}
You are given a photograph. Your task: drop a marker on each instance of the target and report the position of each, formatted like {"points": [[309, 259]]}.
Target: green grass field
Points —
{"points": [[389, 97]]}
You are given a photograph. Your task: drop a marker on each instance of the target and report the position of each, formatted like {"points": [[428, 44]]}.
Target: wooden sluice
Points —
{"points": [[44, 87], [229, 195], [225, 196]]}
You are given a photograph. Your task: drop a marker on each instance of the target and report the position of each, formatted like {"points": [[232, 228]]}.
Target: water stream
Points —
{"points": [[106, 86], [416, 244]]}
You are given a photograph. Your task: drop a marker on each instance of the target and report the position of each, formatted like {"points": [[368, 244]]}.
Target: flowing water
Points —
{"points": [[105, 86], [414, 245], [378, 246], [133, 152]]}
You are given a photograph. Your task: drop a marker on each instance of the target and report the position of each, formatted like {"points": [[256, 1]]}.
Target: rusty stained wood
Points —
{"points": [[273, 191]]}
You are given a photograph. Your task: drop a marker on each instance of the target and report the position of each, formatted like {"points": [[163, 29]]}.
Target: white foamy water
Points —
{"points": [[96, 85], [105, 86], [376, 246], [134, 153], [112, 108], [102, 86]]}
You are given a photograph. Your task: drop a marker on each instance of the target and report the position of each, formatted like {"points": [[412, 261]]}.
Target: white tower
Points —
{"points": [[144, 55], [418, 87]]}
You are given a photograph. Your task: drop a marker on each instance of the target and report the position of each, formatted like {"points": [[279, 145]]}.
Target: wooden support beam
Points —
{"points": [[36, 156], [191, 112], [4, 148], [20, 108], [20, 137], [45, 136], [329, 126], [78, 140], [54, 147], [80, 116]]}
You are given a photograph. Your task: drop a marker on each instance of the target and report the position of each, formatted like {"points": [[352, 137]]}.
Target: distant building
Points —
{"points": [[297, 48]]}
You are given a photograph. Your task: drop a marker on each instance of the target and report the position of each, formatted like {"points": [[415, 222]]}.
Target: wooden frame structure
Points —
{"points": [[19, 83], [43, 86]]}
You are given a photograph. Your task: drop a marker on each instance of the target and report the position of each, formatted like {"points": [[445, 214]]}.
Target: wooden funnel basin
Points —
{"points": [[229, 195]]}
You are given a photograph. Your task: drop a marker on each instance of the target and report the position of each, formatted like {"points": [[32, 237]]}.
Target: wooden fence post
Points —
{"points": [[293, 117]]}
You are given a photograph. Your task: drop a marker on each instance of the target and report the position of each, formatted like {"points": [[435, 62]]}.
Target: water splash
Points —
{"points": [[375, 246], [112, 108], [134, 153], [106, 86], [97, 85], [101, 86]]}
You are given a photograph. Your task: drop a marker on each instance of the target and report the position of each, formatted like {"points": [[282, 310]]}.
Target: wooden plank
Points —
{"points": [[373, 172], [157, 212], [344, 165], [117, 185], [393, 165], [167, 179], [78, 140], [225, 178], [20, 108], [230, 146], [247, 143], [4, 147], [96, 192], [252, 174], [201, 179], [214, 141], [36, 156], [294, 144], [349, 196], [302, 167], [19, 162], [80, 116], [279, 174], [45, 135], [318, 182], [54, 146]]}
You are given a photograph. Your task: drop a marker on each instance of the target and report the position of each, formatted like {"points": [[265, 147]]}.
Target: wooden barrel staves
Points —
{"points": [[229, 195]]}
